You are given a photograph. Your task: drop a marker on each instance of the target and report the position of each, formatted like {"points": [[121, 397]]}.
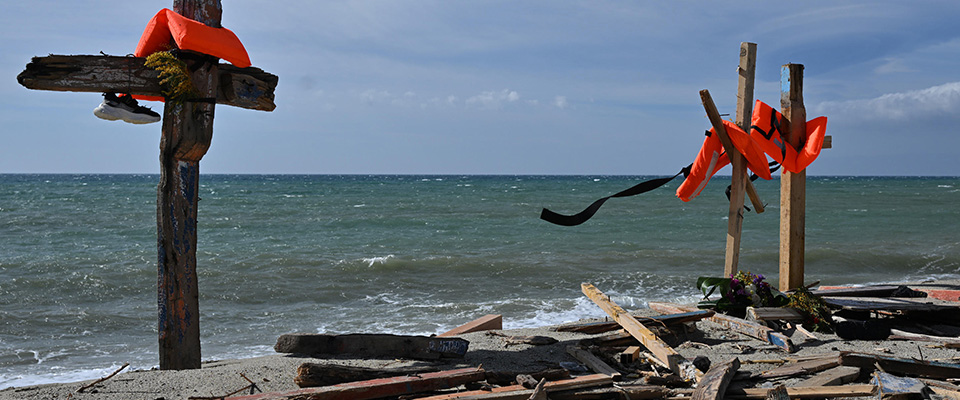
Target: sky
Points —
{"points": [[507, 87]]}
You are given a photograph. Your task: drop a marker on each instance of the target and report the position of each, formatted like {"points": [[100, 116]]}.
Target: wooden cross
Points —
{"points": [[186, 134]]}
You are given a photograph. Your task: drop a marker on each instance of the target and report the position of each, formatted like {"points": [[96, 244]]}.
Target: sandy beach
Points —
{"points": [[276, 373]]}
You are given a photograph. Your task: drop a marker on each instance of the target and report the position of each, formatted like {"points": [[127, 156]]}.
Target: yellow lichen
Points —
{"points": [[175, 80]]}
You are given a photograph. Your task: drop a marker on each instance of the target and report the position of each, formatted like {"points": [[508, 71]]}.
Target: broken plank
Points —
{"points": [[806, 392], [886, 304], [893, 387], [485, 323], [316, 374], [506, 378], [677, 363], [738, 325], [631, 392], [521, 393], [378, 388], [713, 384], [910, 367], [773, 314], [593, 362], [801, 368], [832, 377], [648, 321], [373, 345]]}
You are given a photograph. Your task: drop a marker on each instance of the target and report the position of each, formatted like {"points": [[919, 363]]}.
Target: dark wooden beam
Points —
{"points": [[249, 88]]}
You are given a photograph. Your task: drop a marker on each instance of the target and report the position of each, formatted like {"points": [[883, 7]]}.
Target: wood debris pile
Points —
{"points": [[684, 353]]}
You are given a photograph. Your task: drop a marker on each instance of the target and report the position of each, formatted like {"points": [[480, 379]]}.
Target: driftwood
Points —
{"points": [[803, 367], [621, 392], [893, 387], [485, 323], [807, 392], [909, 367], [373, 345], [531, 340], [378, 388], [85, 387], [314, 374], [593, 362], [887, 304], [714, 383], [832, 377]]}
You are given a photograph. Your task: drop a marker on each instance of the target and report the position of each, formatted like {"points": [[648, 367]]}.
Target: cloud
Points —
{"points": [[934, 101], [493, 100], [560, 102]]}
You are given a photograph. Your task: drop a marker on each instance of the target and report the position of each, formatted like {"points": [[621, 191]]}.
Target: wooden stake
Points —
{"points": [[739, 178], [792, 184]]}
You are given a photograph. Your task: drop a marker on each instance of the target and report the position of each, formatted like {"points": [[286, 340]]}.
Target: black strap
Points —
{"points": [[583, 216], [773, 165]]}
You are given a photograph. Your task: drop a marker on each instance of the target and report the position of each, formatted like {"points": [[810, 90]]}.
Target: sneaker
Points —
{"points": [[126, 108]]}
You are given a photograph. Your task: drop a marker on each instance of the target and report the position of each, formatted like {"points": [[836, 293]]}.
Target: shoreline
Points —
{"points": [[275, 373]]}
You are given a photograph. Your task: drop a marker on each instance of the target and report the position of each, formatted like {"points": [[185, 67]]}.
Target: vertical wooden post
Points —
{"points": [[738, 186], [186, 135], [792, 185]]}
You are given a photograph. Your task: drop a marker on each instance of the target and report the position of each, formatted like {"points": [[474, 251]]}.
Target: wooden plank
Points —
{"points": [[714, 383], [909, 367], [522, 393], [317, 374], [373, 345], [834, 376], [802, 368], [378, 388], [893, 387], [505, 378], [485, 323], [249, 88], [887, 304], [793, 191], [648, 321], [773, 314], [594, 363], [621, 392], [778, 393], [807, 392], [738, 325], [677, 363]]}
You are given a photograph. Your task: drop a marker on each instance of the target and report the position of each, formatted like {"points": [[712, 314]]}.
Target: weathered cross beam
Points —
{"points": [[185, 137]]}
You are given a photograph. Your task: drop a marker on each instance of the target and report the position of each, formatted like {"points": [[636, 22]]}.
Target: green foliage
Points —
{"points": [[816, 313], [174, 76], [739, 291]]}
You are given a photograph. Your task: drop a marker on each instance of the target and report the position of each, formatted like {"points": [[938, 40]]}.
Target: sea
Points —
{"points": [[405, 254]]}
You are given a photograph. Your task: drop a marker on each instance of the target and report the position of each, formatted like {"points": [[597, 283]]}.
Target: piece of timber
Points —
{"points": [[917, 368], [485, 323], [715, 119], [504, 378], [677, 363], [806, 392], [801, 368], [593, 362], [621, 392], [630, 354], [892, 387], [648, 321], [249, 88], [832, 377], [378, 388], [315, 374], [714, 383], [904, 335], [778, 393], [738, 325], [373, 345], [773, 314], [518, 391], [863, 291], [887, 304]]}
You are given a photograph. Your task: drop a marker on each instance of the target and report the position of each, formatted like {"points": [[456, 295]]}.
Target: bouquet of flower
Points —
{"points": [[739, 291]]}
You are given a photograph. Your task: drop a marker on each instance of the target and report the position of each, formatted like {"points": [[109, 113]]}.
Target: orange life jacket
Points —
{"points": [[766, 130], [712, 158], [189, 35]]}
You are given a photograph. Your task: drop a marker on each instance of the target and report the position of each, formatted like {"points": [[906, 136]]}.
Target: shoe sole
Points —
{"points": [[113, 114]]}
